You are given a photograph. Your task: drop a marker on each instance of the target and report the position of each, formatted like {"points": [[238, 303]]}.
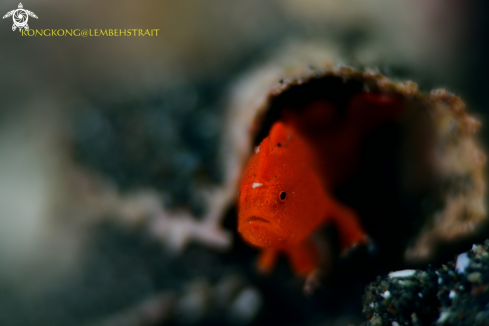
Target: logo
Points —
{"points": [[20, 17]]}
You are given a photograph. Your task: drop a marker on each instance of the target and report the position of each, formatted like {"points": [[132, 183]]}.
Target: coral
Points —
{"points": [[94, 200]]}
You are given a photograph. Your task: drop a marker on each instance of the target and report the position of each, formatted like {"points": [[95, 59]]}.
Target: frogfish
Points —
{"points": [[287, 190]]}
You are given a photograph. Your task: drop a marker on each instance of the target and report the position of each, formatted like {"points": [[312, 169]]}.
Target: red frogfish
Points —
{"points": [[286, 193]]}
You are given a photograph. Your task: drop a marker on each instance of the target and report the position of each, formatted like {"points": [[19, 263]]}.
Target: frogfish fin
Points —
{"points": [[304, 257], [267, 260]]}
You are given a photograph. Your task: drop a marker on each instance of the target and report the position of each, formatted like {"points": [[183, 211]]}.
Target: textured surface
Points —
{"points": [[457, 293]]}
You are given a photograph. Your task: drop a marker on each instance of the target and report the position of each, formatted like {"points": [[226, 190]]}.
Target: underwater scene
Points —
{"points": [[213, 162]]}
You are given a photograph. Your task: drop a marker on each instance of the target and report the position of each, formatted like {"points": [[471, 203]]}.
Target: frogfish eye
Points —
{"points": [[283, 194]]}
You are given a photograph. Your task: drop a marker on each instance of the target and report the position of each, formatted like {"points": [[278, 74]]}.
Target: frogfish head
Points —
{"points": [[280, 198]]}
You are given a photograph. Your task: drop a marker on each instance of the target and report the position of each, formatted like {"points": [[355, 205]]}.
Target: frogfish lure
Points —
{"points": [[286, 190]]}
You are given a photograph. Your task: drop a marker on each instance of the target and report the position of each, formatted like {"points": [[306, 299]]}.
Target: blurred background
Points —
{"points": [[94, 128]]}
